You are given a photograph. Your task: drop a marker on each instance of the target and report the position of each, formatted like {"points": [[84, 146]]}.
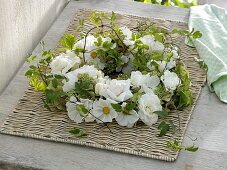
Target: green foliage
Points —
{"points": [[97, 18], [136, 96], [52, 96], [162, 93], [130, 106], [78, 132], [164, 128], [184, 4], [162, 114], [85, 86], [189, 34], [82, 110], [125, 110], [117, 107], [201, 63], [175, 145], [68, 41], [183, 97], [38, 85]]}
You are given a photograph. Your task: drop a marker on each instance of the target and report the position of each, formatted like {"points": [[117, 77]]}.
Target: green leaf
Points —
{"points": [[197, 34], [107, 45], [130, 106], [58, 76], [32, 67], [159, 37], [117, 107], [55, 83], [136, 97], [164, 128], [38, 85], [78, 132], [191, 149], [78, 86], [175, 145], [29, 73], [52, 95], [185, 99], [46, 105], [82, 110], [162, 113], [99, 42], [68, 41], [113, 16], [172, 125], [85, 84]]}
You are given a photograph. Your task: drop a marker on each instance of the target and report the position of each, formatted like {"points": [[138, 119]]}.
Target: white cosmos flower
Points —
{"points": [[127, 66], [116, 90], [148, 103], [128, 119], [75, 114], [64, 62], [73, 76], [140, 80], [103, 111], [91, 49], [170, 80]]}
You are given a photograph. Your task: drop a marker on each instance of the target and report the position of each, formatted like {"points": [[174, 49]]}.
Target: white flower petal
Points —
{"points": [[170, 80], [148, 103]]}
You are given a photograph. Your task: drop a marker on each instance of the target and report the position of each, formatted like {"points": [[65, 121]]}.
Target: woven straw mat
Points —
{"points": [[30, 119]]}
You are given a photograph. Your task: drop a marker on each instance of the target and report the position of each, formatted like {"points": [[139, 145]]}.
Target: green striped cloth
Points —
{"points": [[211, 21]]}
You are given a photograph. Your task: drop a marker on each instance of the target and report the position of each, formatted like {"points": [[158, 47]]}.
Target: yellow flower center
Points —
{"points": [[125, 65], [93, 54], [106, 110], [125, 111], [149, 109]]}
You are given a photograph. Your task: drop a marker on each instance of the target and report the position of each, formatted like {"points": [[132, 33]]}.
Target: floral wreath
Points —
{"points": [[115, 73]]}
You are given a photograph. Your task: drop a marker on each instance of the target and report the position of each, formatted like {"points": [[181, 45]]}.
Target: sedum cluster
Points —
{"points": [[114, 73]]}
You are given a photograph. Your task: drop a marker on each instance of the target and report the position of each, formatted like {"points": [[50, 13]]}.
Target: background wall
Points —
{"points": [[22, 25]]}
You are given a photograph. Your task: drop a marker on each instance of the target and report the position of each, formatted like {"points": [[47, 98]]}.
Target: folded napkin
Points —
{"points": [[211, 21]]}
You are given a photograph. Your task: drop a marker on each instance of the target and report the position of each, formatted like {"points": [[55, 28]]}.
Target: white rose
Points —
{"points": [[100, 88], [64, 62], [140, 80], [170, 80], [73, 76], [148, 103], [117, 90], [162, 65]]}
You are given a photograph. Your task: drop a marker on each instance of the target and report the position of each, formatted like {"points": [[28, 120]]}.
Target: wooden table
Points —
{"points": [[208, 123]]}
